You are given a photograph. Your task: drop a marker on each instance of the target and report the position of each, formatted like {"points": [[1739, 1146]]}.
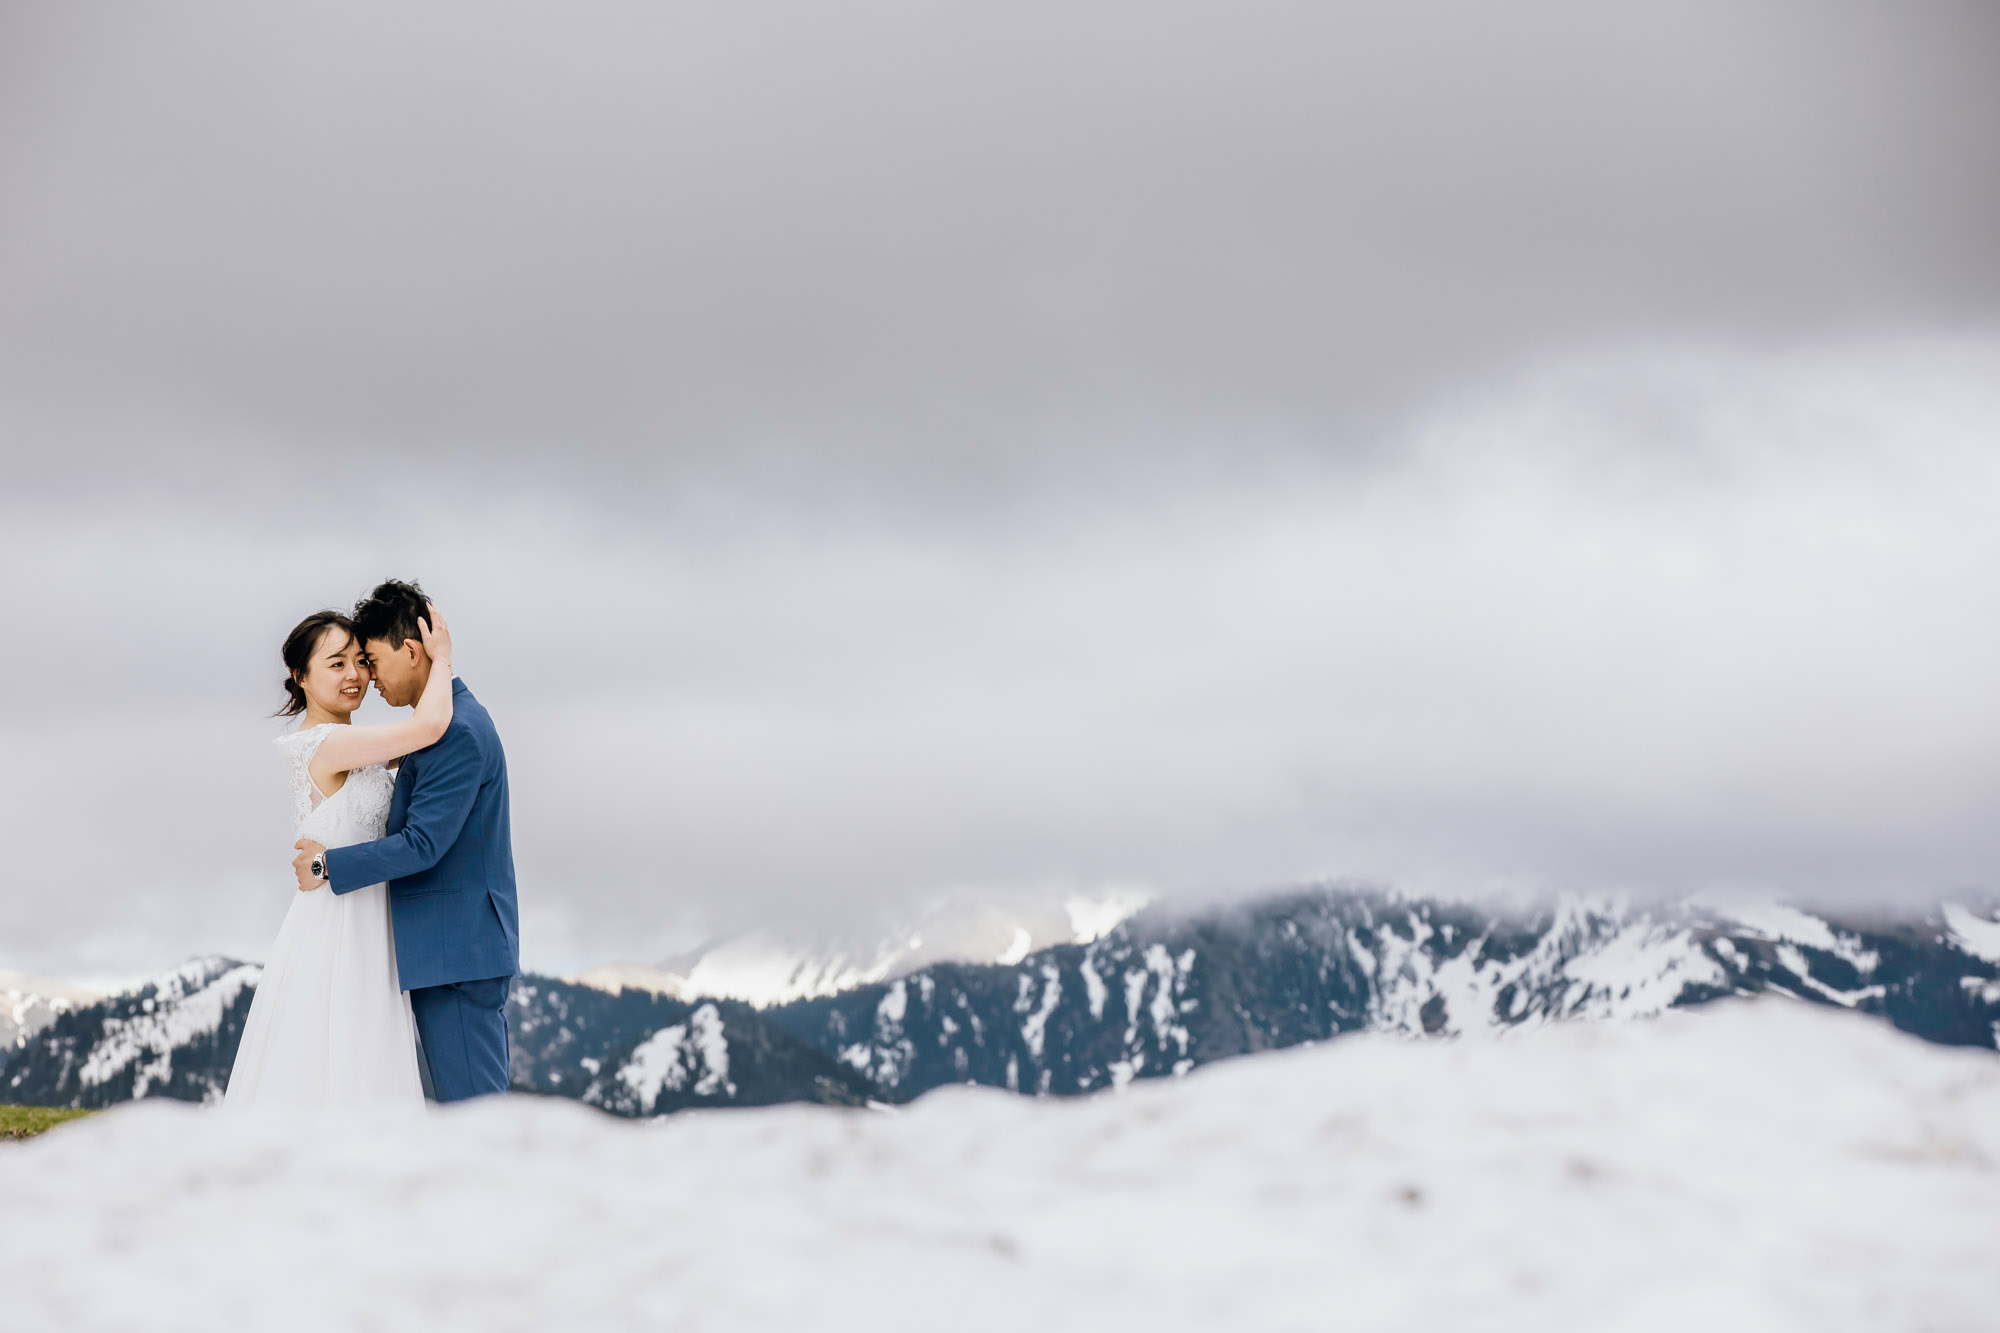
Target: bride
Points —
{"points": [[330, 1025]]}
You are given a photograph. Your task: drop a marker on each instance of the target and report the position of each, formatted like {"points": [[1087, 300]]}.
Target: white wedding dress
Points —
{"points": [[329, 1025]]}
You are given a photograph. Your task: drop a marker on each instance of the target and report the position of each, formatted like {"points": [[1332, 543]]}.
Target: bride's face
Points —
{"points": [[337, 679]]}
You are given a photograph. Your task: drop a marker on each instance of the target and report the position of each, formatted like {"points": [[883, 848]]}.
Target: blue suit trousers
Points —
{"points": [[463, 1027]]}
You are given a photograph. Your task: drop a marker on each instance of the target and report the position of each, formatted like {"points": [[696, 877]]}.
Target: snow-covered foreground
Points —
{"points": [[1752, 1165]]}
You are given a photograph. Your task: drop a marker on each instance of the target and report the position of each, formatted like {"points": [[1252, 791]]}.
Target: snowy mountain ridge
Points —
{"points": [[764, 969], [172, 1035], [1161, 992], [29, 1003], [1166, 990]]}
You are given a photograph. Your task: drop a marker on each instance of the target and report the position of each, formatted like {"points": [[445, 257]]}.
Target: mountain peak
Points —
{"points": [[1154, 994]]}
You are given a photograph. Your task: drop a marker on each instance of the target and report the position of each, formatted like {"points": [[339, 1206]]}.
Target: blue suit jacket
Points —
{"points": [[448, 857]]}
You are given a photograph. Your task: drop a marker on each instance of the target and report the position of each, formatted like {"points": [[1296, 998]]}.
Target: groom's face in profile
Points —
{"points": [[400, 671]]}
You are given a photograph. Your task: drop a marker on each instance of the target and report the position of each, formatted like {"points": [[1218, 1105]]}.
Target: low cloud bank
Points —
{"points": [[1666, 621]]}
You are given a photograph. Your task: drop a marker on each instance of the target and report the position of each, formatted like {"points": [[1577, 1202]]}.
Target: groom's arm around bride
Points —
{"points": [[448, 861]]}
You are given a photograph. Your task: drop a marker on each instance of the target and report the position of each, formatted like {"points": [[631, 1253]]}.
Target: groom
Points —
{"points": [[448, 861]]}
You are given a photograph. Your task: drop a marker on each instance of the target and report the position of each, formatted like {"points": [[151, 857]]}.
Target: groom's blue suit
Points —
{"points": [[448, 859]]}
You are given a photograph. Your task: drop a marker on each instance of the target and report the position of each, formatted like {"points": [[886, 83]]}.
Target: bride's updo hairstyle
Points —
{"points": [[300, 645]]}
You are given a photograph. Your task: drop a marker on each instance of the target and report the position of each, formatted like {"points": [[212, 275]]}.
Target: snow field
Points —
{"points": [[1755, 1165]]}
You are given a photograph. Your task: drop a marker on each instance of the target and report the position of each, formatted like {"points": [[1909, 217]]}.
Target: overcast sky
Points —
{"points": [[871, 450]]}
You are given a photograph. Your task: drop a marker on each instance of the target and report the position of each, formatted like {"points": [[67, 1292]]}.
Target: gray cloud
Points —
{"points": [[874, 451], [1691, 621], [636, 236]]}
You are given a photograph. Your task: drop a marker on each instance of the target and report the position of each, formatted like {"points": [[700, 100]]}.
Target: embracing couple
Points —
{"points": [[405, 928]]}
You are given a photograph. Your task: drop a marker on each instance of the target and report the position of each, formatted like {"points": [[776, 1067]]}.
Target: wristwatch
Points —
{"points": [[318, 866]]}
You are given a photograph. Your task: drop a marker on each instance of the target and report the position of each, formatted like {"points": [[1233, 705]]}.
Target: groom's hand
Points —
{"points": [[302, 863]]}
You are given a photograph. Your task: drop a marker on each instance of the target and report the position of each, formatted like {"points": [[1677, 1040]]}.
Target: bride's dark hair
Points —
{"points": [[298, 654]]}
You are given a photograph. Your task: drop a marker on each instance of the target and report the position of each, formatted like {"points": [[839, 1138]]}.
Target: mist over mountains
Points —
{"points": [[1159, 994]]}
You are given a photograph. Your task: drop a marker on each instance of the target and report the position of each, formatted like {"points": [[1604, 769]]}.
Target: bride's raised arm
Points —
{"points": [[351, 747]]}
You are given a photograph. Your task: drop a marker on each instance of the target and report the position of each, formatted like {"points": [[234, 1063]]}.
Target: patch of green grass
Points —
{"points": [[24, 1122]]}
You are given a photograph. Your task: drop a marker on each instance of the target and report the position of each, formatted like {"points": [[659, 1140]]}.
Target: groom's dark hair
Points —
{"points": [[391, 612]]}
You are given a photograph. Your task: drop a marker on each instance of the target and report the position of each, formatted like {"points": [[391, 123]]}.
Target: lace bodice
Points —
{"points": [[358, 812]]}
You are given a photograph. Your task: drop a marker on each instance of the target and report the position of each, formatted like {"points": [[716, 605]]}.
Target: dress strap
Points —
{"points": [[299, 747]]}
